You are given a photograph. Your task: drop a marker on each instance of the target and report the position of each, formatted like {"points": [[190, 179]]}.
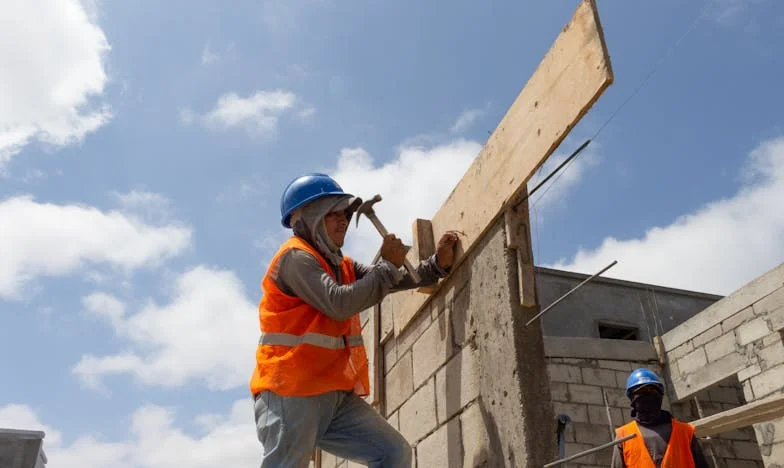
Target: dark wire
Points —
{"points": [[618, 110]]}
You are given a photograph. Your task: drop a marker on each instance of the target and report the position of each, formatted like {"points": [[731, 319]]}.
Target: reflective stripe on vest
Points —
{"points": [[315, 339]]}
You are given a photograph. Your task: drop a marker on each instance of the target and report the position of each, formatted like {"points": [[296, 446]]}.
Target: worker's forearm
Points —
{"points": [[302, 275], [429, 273]]}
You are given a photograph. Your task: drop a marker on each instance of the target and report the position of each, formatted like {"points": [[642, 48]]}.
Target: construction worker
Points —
{"points": [[311, 366], [662, 441]]}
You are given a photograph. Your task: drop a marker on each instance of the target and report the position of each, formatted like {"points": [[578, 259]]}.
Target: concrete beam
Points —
{"points": [[568, 81], [725, 308], [596, 348]]}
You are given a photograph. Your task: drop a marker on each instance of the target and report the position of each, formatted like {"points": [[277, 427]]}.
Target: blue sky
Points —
{"points": [[144, 145]]}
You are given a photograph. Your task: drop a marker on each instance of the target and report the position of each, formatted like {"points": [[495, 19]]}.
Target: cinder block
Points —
{"points": [[573, 449], [418, 414], [724, 395], [431, 351], [460, 317], [776, 320], [768, 382], [693, 361], [457, 383], [721, 346], [559, 391], [706, 336], [411, 334], [751, 331], [399, 383], [772, 356], [442, 448], [565, 373], [615, 365], [586, 394], [772, 338], [621, 378], [390, 355], [601, 377], [735, 320], [597, 415], [476, 443], [680, 351], [735, 463], [746, 450], [617, 397], [749, 372], [770, 303], [592, 434], [576, 412]]}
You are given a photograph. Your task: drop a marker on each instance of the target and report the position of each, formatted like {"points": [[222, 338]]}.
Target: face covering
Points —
{"points": [[646, 408]]}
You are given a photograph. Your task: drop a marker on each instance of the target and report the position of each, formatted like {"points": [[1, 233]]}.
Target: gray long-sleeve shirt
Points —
{"points": [[300, 274], [656, 439]]}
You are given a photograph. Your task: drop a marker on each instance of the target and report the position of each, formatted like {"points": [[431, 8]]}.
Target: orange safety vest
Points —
{"points": [[678, 454], [301, 350]]}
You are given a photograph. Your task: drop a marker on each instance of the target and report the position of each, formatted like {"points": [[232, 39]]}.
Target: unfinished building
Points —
{"points": [[471, 374]]}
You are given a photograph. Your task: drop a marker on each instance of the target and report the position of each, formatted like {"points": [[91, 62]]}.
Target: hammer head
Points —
{"points": [[367, 207]]}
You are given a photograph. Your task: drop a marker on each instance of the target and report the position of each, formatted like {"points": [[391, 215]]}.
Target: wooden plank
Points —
{"points": [[759, 411], [568, 81], [424, 242], [424, 245]]}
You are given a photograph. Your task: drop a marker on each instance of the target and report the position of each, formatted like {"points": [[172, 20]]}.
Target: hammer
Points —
{"points": [[366, 208]]}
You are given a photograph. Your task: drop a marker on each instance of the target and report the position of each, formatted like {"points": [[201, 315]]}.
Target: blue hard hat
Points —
{"points": [[641, 377], [304, 189]]}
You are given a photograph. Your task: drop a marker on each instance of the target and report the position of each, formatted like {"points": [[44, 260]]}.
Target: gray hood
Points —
{"points": [[308, 223]]}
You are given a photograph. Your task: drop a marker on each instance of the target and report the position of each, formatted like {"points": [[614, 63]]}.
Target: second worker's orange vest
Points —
{"points": [[678, 454], [301, 350]]}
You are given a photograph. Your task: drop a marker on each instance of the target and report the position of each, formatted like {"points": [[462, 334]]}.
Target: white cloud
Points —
{"points": [[105, 306], [151, 206], [717, 248], [467, 118], [55, 240], [413, 185], [153, 441], [208, 57], [53, 57], [258, 113], [207, 332]]}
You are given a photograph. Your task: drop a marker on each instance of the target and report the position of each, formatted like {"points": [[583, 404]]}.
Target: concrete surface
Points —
{"points": [[652, 310], [22, 449]]}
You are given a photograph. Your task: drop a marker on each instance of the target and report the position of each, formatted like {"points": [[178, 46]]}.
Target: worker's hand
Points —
{"points": [[445, 252], [392, 249]]}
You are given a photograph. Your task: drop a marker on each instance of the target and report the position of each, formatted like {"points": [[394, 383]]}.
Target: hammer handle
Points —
{"points": [[383, 231]]}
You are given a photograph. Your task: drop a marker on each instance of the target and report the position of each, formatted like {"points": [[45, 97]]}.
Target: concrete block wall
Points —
{"points": [[582, 372], [465, 382], [585, 370], [737, 337]]}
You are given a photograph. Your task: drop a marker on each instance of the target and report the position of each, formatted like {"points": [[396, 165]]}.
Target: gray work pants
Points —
{"points": [[341, 423]]}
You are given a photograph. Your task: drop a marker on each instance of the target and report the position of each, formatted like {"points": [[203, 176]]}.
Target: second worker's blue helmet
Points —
{"points": [[640, 377], [304, 189]]}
